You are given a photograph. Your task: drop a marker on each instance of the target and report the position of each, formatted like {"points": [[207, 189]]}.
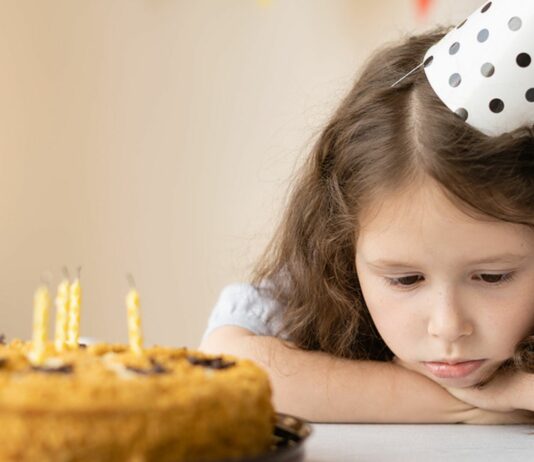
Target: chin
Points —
{"points": [[464, 382]]}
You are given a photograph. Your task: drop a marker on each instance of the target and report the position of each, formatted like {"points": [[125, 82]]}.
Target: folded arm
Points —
{"points": [[322, 388], [510, 390], [526, 392]]}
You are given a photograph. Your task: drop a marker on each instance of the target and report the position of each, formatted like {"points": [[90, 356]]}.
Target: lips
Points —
{"points": [[453, 371]]}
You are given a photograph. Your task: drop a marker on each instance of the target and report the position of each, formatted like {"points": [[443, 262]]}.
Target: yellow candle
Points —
{"points": [[75, 297], [41, 309], [134, 321], [62, 314]]}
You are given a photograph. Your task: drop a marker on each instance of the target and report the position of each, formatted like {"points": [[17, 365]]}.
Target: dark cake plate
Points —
{"points": [[289, 436]]}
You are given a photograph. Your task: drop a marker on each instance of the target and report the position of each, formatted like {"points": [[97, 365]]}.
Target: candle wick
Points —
{"points": [[65, 272], [79, 271], [46, 278], [131, 280]]}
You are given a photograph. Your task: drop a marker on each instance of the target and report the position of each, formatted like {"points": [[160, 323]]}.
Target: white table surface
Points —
{"points": [[420, 443]]}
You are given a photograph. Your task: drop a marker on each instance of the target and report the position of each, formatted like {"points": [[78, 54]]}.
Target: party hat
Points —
{"points": [[482, 69]]}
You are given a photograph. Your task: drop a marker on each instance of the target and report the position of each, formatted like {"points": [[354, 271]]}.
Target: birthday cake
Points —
{"points": [[104, 403]]}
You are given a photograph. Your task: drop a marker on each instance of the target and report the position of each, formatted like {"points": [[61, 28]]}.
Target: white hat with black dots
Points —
{"points": [[482, 69]]}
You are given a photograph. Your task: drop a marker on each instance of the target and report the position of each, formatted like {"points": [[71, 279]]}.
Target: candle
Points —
{"points": [[62, 314], [41, 308], [134, 320], [75, 295]]}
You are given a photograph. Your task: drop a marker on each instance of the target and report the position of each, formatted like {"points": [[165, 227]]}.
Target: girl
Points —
{"points": [[398, 286]]}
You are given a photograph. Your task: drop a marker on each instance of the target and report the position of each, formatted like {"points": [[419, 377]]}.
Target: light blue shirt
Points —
{"points": [[241, 304]]}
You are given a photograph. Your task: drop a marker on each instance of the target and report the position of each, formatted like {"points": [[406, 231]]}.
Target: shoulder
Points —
{"points": [[246, 297], [245, 306]]}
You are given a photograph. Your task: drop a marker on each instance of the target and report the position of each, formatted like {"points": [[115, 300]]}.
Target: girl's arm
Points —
{"points": [[508, 391], [322, 388], [525, 395]]}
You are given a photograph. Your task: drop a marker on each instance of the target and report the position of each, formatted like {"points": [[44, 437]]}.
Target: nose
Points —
{"points": [[448, 320]]}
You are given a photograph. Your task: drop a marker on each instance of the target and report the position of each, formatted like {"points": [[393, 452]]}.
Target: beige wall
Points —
{"points": [[157, 137]]}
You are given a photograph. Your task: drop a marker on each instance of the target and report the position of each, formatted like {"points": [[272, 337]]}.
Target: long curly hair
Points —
{"points": [[381, 137]]}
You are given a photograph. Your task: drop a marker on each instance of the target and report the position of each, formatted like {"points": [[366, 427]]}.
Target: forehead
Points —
{"points": [[421, 220]]}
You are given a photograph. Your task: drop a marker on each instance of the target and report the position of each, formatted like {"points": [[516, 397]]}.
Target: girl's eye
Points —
{"points": [[405, 281], [409, 281], [496, 279]]}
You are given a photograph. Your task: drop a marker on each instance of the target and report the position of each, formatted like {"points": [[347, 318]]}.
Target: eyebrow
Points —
{"points": [[502, 258]]}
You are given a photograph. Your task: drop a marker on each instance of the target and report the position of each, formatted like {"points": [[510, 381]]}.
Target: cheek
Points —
{"points": [[400, 333], [528, 317], [508, 319], [392, 320], [508, 329]]}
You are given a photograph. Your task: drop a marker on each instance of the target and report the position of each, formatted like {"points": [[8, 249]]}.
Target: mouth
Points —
{"points": [[456, 370]]}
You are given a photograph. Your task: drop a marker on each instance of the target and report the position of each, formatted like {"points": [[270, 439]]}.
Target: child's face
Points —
{"points": [[445, 304]]}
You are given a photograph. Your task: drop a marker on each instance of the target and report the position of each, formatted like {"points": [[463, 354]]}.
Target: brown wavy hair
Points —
{"points": [[380, 138]]}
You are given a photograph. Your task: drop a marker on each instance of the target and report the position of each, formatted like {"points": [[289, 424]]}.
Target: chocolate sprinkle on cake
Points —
{"points": [[156, 369], [214, 363], [3, 362], [66, 369]]}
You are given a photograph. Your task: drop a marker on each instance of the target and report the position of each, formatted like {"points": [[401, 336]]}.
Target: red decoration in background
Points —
{"points": [[422, 7]]}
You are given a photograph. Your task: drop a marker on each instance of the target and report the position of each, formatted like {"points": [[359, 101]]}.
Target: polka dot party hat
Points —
{"points": [[482, 69]]}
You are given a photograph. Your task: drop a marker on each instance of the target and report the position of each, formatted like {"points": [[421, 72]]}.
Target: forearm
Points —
{"points": [[322, 388], [524, 395]]}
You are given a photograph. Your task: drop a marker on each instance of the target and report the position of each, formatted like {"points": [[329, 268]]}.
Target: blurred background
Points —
{"points": [[159, 137]]}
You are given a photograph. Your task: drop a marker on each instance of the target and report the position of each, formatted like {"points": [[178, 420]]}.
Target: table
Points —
{"points": [[420, 443]]}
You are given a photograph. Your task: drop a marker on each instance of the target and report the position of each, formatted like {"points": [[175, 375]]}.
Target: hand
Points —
{"points": [[508, 391], [476, 416]]}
